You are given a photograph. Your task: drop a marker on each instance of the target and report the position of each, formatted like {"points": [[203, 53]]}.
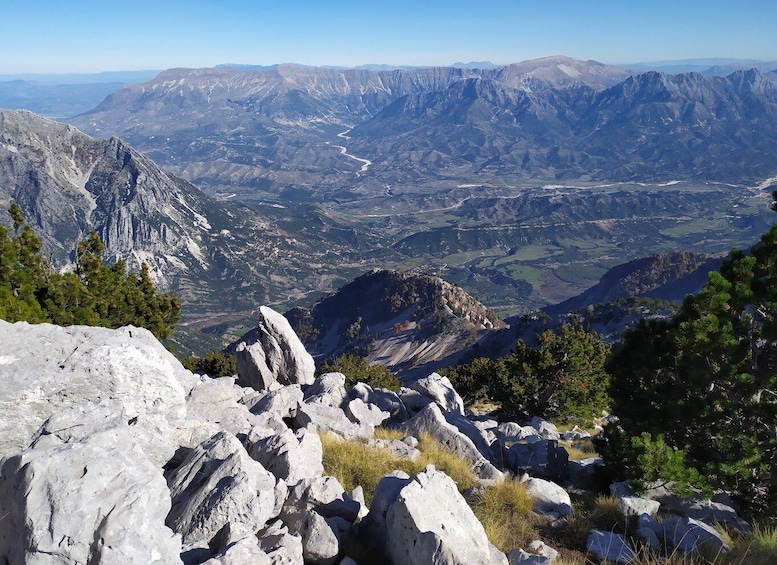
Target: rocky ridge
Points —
{"points": [[398, 319], [112, 452]]}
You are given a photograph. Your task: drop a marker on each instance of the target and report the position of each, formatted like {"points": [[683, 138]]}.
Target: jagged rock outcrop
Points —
{"points": [[45, 369], [94, 499], [272, 353], [105, 476]]}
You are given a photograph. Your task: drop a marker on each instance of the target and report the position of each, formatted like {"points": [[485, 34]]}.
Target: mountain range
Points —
{"points": [[265, 132], [521, 184]]}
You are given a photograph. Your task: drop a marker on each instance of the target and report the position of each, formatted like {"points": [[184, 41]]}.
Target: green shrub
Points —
{"points": [[95, 295], [214, 364], [356, 369]]}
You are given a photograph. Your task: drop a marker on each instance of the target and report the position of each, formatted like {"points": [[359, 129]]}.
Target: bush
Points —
{"points": [[703, 385], [214, 364], [355, 369], [562, 379]]}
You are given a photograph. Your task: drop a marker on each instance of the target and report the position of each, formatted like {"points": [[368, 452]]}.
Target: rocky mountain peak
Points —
{"points": [[399, 319]]}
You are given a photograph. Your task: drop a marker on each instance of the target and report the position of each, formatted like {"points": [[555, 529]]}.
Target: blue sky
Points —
{"points": [[91, 36]]}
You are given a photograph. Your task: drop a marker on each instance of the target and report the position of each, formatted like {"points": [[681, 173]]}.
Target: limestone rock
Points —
{"points": [[429, 522], [608, 546], [218, 483], [430, 420], [282, 401], [360, 412], [542, 458], [272, 353], [99, 499], [45, 369], [327, 389], [323, 417], [440, 390], [636, 506], [385, 400], [549, 498], [290, 456], [521, 557], [282, 547]]}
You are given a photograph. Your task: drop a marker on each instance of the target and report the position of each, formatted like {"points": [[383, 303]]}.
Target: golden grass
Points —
{"points": [[505, 510], [579, 449], [458, 469], [355, 463]]}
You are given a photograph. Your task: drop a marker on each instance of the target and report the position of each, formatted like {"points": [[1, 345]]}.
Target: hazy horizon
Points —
{"points": [[88, 37]]}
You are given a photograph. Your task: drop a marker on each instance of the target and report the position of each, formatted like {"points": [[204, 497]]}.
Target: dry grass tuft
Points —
{"points": [[505, 510]]}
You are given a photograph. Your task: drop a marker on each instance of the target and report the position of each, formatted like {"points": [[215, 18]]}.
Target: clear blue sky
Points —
{"points": [[50, 36]]}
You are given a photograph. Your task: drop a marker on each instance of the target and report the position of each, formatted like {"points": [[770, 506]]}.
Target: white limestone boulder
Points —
{"points": [[429, 522], [218, 483], [45, 369], [431, 421], [93, 500], [290, 456], [610, 547], [440, 390], [549, 498], [272, 353]]}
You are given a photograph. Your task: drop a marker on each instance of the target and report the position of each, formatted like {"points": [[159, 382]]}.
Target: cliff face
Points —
{"points": [[68, 184]]}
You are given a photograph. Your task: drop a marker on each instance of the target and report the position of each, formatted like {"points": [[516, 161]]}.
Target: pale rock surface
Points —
{"points": [[431, 420], [689, 535], [97, 499], [440, 390], [282, 401], [384, 399], [282, 547], [637, 506], [218, 483], [322, 417], [45, 369], [241, 552], [290, 456], [219, 402], [549, 498], [413, 400], [429, 522], [272, 353], [608, 546], [520, 557], [360, 412], [538, 547], [328, 389], [546, 429]]}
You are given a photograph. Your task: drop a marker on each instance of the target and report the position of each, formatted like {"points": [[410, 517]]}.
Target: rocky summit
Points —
{"points": [[112, 452]]}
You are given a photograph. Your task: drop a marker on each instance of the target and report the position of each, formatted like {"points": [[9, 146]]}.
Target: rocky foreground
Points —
{"points": [[112, 452]]}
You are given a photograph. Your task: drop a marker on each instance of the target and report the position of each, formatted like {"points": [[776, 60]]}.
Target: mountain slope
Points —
{"points": [[224, 260], [402, 320]]}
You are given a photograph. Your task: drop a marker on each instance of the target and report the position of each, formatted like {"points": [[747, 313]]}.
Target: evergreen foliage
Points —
{"points": [[563, 378], [95, 294], [706, 383], [356, 369], [214, 364]]}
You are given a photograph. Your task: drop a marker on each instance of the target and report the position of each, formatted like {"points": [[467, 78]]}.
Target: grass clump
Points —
{"points": [[505, 510], [356, 463]]}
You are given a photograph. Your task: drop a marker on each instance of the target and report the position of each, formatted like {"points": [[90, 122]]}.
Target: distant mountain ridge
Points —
{"points": [[259, 132]]}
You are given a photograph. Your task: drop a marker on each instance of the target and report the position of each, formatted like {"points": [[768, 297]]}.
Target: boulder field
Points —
{"points": [[112, 452]]}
